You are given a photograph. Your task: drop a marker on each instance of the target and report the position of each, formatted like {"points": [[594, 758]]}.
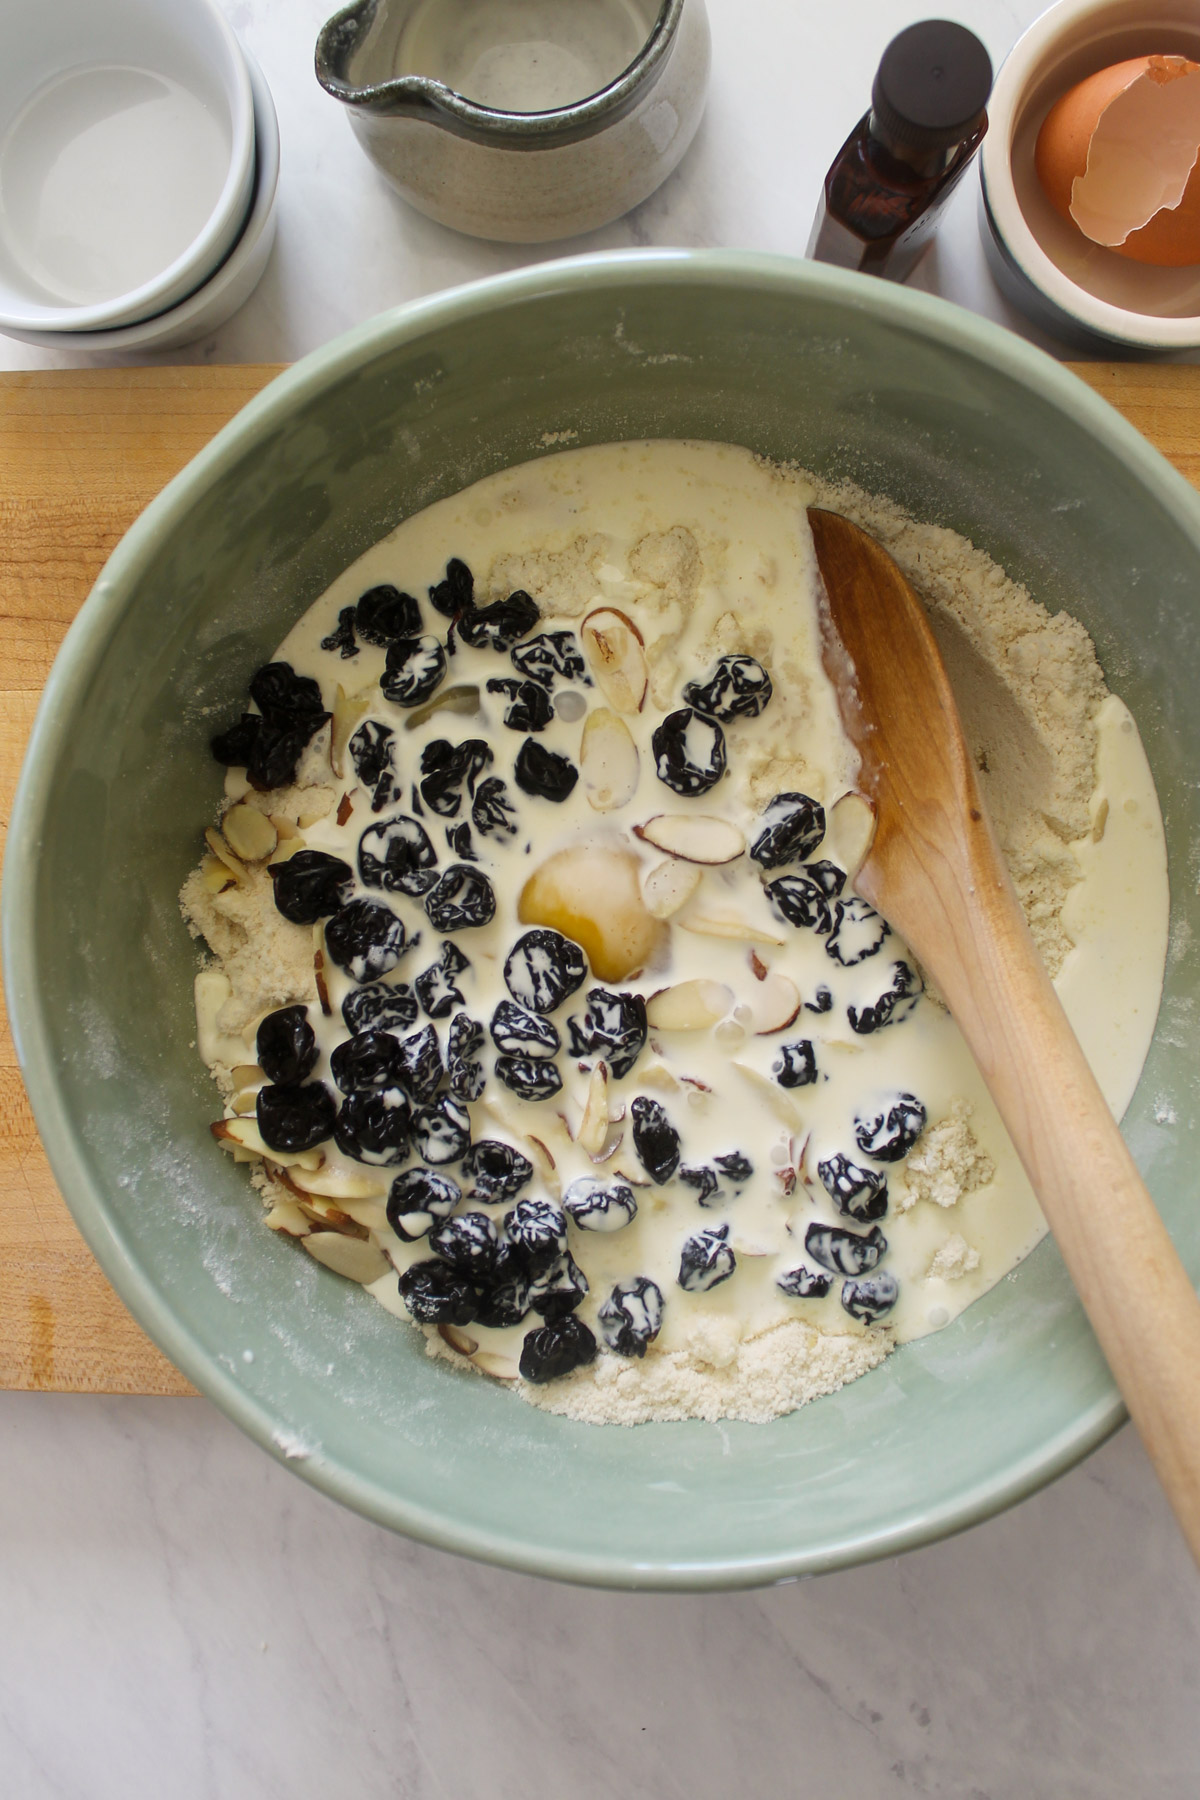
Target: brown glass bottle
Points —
{"points": [[890, 180]]}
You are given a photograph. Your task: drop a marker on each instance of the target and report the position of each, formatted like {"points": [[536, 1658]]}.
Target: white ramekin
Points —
{"points": [[1048, 267], [187, 41]]}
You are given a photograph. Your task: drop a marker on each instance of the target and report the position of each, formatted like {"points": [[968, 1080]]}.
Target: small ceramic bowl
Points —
{"points": [[1050, 269], [127, 159], [223, 293]]}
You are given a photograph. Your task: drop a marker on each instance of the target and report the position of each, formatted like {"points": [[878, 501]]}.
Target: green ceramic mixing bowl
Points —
{"points": [[963, 424]]}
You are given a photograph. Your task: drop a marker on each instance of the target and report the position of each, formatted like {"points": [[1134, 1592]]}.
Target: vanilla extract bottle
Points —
{"points": [[891, 179]]}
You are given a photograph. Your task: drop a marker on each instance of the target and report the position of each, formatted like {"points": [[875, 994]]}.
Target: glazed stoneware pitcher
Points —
{"points": [[521, 120]]}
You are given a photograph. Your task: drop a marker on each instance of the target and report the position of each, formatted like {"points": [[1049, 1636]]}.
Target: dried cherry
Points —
{"points": [[286, 1046], [311, 885]]}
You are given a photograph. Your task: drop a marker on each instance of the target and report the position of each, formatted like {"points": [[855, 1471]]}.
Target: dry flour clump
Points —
{"points": [[269, 961], [947, 1163], [771, 1374], [952, 1259], [565, 580]]}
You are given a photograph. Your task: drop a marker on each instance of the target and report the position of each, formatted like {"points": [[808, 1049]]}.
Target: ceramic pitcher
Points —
{"points": [[521, 120]]}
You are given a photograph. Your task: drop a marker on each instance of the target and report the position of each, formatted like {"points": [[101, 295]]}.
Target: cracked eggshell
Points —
{"points": [[1117, 155]]}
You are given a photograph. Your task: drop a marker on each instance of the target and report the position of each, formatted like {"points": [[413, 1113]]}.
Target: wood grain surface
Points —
{"points": [[81, 453]]}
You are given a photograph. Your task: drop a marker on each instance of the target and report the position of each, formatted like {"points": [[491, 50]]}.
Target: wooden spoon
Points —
{"points": [[936, 874]]}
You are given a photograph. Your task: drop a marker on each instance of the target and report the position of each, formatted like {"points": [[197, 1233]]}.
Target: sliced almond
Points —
{"points": [[593, 1127], [249, 833], [694, 837], [729, 925], [773, 1005], [287, 847], [284, 828], [283, 1178], [325, 1213], [849, 830], [758, 967], [223, 853], [544, 1161], [543, 1153], [668, 886], [458, 1340], [659, 1075], [516, 1116], [778, 1099], [216, 875], [462, 699], [322, 985], [339, 1184], [355, 1258], [608, 760], [492, 1363], [243, 1074], [244, 1102], [345, 808], [614, 650], [349, 711], [638, 1181], [243, 1134], [614, 1138], [287, 1217], [315, 809], [689, 1005], [232, 1134]]}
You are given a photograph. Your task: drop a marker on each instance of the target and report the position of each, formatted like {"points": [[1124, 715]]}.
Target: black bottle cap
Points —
{"points": [[933, 85]]}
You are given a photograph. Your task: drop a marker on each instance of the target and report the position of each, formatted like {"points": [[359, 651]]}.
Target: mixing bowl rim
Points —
{"points": [[84, 644]]}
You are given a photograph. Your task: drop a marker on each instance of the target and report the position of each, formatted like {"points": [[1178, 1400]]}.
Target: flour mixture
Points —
{"points": [[539, 994]]}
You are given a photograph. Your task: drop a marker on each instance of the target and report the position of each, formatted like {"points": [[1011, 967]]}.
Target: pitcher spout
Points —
{"points": [[344, 42]]}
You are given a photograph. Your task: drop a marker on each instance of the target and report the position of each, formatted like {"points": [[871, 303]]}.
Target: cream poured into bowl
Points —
{"points": [[708, 551], [521, 56]]}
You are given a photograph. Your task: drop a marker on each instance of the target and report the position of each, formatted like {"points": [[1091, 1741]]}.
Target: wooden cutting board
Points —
{"points": [[81, 453]]}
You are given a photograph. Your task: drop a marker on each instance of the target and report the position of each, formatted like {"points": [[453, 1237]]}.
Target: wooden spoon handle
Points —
{"points": [[935, 872], [1136, 1293]]}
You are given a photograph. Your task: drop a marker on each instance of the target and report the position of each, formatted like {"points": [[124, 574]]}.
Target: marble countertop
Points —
{"points": [[181, 1617]]}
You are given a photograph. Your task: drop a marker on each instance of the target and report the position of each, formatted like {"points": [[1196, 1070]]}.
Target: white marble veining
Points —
{"points": [[182, 1619]]}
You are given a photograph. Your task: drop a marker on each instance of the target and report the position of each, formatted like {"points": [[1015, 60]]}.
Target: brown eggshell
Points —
{"points": [[1171, 239]]}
